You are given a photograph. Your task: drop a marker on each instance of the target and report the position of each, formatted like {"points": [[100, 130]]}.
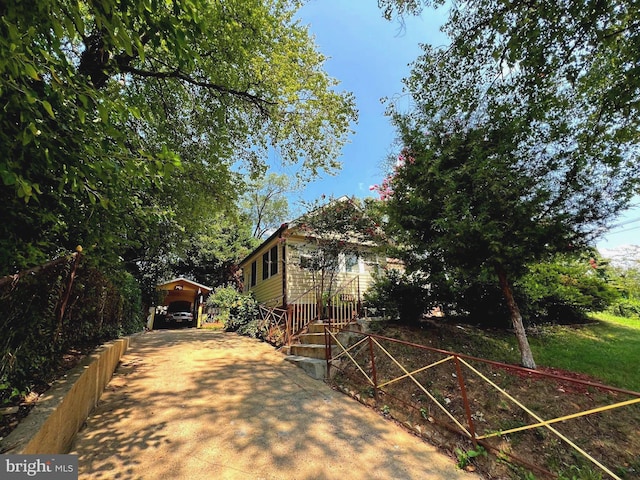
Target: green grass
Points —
{"points": [[608, 349]]}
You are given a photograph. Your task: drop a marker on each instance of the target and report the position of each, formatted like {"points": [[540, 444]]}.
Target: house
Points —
{"points": [[293, 271]]}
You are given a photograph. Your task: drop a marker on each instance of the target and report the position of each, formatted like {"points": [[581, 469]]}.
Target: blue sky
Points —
{"points": [[370, 56]]}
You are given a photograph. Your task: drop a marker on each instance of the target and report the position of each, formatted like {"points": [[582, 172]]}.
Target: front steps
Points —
{"points": [[314, 367], [310, 353]]}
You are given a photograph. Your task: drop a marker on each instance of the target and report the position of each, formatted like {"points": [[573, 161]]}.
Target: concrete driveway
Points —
{"points": [[196, 404]]}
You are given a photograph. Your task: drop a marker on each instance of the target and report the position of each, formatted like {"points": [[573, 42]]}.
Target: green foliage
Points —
{"points": [[266, 203], [223, 297], [565, 65], [566, 289], [523, 136], [123, 122], [465, 458], [241, 312], [212, 253], [101, 306], [398, 295], [626, 308], [457, 206], [580, 473], [627, 283]]}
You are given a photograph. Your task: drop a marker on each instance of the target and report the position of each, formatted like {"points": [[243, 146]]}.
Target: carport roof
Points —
{"points": [[182, 280]]}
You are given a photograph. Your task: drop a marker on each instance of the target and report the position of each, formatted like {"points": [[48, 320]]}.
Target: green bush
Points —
{"points": [[100, 306], [398, 295], [627, 283], [565, 290], [242, 313]]}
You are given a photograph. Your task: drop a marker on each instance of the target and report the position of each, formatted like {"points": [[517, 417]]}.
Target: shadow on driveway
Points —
{"points": [[197, 404]]}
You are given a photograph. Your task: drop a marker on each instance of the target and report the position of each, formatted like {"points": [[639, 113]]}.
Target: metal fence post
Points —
{"points": [[327, 350], [465, 401], [374, 374]]}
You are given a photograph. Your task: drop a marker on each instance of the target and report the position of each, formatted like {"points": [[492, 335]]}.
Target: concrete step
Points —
{"points": [[308, 350], [318, 327], [312, 338], [314, 367]]}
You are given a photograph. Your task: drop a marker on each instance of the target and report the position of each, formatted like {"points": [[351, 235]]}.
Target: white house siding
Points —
{"points": [[300, 280]]}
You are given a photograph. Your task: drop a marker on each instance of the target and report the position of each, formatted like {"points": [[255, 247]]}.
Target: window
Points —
{"points": [[351, 263], [270, 263], [274, 260], [254, 274]]}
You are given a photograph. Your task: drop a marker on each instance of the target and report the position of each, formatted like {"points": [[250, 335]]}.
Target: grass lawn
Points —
{"points": [[608, 349]]}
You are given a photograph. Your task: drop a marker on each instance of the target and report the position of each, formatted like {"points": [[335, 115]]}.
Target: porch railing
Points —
{"points": [[285, 324], [277, 323], [303, 310], [344, 304]]}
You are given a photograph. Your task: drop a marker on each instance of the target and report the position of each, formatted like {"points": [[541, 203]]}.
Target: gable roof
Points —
{"points": [[182, 280], [275, 234], [290, 224]]}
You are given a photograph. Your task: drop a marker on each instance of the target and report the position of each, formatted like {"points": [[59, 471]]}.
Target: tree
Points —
{"points": [[457, 203], [587, 47], [212, 253], [336, 232], [523, 145], [114, 107], [266, 202]]}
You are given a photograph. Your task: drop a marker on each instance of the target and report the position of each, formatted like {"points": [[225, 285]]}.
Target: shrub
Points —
{"points": [[628, 308], [99, 307], [627, 283], [565, 290], [241, 312], [398, 295]]}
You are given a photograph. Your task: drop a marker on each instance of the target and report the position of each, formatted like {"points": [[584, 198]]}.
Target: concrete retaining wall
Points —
{"points": [[53, 423]]}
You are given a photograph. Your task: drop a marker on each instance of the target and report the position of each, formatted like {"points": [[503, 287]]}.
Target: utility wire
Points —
{"points": [[633, 220], [624, 231]]}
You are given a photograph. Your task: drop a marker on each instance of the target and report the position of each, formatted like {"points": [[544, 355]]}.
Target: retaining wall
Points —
{"points": [[60, 412]]}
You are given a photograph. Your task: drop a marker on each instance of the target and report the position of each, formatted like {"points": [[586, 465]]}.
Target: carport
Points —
{"points": [[181, 290]]}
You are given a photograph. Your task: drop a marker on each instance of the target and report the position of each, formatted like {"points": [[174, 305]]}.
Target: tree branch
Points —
{"points": [[260, 103]]}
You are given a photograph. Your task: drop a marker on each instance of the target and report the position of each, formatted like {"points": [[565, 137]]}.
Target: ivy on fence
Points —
{"points": [[65, 306]]}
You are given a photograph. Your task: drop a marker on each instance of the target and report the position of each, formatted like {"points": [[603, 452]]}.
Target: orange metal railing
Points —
{"points": [[424, 386]]}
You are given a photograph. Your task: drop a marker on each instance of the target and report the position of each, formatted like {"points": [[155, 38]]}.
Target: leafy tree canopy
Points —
{"points": [[266, 202], [116, 113], [563, 74], [523, 136]]}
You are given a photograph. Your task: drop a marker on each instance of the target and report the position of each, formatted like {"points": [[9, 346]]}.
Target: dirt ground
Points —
{"points": [[611, 437], [201, 404]]}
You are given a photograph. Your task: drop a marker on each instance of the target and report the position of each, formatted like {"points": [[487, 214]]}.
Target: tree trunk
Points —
{"points": [[526, 357]]}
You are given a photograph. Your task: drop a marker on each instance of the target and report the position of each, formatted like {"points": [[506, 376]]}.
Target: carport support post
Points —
{"points": [[199, 316]]}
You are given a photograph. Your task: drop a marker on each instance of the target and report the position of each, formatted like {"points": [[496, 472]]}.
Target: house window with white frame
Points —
{"points": [[351, 263], [270, 263]]}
